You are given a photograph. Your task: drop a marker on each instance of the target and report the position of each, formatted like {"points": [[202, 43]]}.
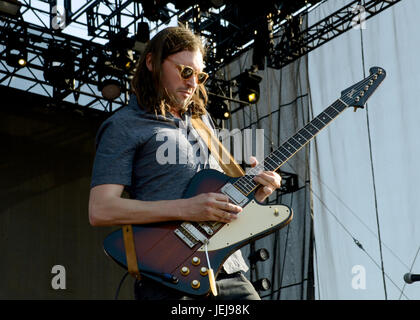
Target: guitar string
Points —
{"points": [[352, 212], [256, 169], [343, 226], [348, 232]]}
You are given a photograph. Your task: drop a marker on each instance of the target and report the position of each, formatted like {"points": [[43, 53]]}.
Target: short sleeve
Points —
{"points": [[115, 150]]}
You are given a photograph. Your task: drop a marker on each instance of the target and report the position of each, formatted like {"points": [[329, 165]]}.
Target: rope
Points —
{"points": [[372, 167]]}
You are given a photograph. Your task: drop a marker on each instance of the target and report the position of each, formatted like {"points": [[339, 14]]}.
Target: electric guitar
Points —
{"points": [[178, 254]]}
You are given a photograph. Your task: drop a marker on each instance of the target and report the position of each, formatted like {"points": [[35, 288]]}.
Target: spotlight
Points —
{"points": [[59, 66], [259, 255], [110, 88], [119, 46], [262, 284], [218, 108], [16, 52], [109, 78], [10, 7], [124, 60], [142, 37], [249, 88], [155, 10]]}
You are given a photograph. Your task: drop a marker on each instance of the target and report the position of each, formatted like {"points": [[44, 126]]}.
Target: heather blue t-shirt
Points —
{"points": [[154, 156]]}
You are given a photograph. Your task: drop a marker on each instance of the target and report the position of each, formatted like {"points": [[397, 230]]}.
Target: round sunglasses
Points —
{"points": [[187, 72]]}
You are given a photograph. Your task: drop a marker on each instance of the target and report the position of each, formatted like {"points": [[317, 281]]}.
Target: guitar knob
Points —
{"points": [[185, 271], [362, 93], [195, 261], [375, 76], [195, 284], [357, 99], [366, 88], [203, 271], [370, 82]]}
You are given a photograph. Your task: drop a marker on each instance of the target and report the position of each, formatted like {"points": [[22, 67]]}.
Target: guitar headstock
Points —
{"points": [[358, 94]]}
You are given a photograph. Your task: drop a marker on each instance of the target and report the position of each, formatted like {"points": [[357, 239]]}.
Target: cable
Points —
{"points": [[119, 286], [371, 166]]}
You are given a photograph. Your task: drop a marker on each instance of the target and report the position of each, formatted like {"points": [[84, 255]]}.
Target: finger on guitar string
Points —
{"points": [[269, 179]]}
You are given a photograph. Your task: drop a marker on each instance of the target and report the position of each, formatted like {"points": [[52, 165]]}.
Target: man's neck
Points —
{"points": [[175, 112]]}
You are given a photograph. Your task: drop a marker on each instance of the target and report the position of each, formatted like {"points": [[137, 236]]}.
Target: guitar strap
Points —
{"points": [[130, 251], [231, 168]]}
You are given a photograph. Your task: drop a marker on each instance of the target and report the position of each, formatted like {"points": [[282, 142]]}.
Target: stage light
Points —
{"points": [[155, 10], [110, 88], [10, 7], [142, 37], [259, 255], [109, 78], [249, 87], [262, 284], [59, 66], [16, 52], [218, 108]]}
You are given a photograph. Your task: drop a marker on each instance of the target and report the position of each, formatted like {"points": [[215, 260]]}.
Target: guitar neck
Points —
{"points": [[287, 150]]}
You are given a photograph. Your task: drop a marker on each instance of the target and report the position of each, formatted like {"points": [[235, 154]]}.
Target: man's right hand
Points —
{"points": [[208, 207]]}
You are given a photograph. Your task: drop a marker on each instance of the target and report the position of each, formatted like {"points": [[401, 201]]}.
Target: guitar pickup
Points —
{"points": [[190, 234], [234, 194]]}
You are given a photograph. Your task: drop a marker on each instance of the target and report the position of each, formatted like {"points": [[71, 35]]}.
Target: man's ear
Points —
{"points": [[149, 64]]}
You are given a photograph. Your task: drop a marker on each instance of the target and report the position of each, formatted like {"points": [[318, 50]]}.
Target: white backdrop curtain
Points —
{"points": [[365, 166]]}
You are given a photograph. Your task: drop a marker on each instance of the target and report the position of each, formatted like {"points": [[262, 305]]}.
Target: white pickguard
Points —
{"points": [[253, 219]]}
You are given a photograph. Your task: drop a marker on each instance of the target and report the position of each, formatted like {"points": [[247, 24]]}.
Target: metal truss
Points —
{"points": [[31, 78], [272, 30], [294, 43]]}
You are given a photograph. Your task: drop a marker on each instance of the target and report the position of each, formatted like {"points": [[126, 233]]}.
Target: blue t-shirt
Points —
{"points": [[153, 156]]}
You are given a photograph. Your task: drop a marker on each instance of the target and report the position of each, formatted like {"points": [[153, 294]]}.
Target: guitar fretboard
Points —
{"points": [[277, 158]]}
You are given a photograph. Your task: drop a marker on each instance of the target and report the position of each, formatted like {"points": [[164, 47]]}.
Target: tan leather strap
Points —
{"points": [[230, 167], [130, 251]]}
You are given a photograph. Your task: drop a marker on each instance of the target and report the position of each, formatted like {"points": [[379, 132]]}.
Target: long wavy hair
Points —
{"points": [[147, 85]]}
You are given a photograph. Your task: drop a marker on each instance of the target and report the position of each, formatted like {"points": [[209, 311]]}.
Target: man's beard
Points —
{"points": [[181, 106]]}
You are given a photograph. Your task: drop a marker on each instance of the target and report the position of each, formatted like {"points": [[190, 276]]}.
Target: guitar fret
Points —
{"points": [[284, 152], [277, 158], [245, 186], [295, 142], [331, 111], [311, 128], [317, 123], [305, 133], [301, 138], [270, 166], [325, 117], [289, 147]]}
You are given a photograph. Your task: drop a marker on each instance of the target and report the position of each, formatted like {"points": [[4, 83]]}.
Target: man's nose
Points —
{"points": [[192, 81]]}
